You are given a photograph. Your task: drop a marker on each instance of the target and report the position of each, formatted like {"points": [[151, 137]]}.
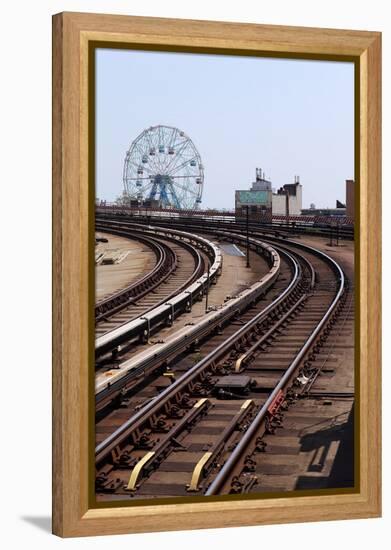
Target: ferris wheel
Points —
{"points": [[163, 164]]}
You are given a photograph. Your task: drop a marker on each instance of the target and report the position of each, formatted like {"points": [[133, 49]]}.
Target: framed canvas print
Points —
{"points": [[216, 229]]}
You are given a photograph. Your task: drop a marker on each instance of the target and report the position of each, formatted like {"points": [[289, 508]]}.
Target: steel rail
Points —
{"points": [[172, 305], [287, 228], [214, 319], [307, 388], [155, 404], [240, 450], [257, 232], [165, 265], [198, 270]]}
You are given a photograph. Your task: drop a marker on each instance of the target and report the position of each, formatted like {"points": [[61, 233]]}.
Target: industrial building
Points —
{"points": [[258, 199], [288, 199], [262, 202]]}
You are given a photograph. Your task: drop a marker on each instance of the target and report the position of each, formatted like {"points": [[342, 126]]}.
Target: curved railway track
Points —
{"points": [[178, 265], [166, 263], [331, 227], [204, 430], [135, 370]]}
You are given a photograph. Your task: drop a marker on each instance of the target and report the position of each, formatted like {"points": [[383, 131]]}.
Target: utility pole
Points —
{"points": [[247, 240]]}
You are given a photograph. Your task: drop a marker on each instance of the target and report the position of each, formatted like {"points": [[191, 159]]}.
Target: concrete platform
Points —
{"points": [[112, 277]]}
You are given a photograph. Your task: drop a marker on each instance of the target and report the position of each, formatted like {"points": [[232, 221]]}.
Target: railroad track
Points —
{"points": [[288, 229], [178, 265], [114, 386], [199, 434], [188, 282], [166, 263]]}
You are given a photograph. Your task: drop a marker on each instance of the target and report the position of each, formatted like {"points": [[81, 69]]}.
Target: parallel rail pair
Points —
{"points": [[166, 310], [137, 368], [166, 263], [334, 228]]}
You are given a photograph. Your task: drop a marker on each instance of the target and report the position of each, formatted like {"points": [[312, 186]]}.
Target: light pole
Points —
{"points": [[247, 241]]}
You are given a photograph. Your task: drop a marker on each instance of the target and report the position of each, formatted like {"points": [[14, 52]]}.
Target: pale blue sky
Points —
{"points": [[286, 116]]}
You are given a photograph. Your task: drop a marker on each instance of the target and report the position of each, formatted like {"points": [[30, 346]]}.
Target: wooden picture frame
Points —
{"points": [[73, 34]]}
